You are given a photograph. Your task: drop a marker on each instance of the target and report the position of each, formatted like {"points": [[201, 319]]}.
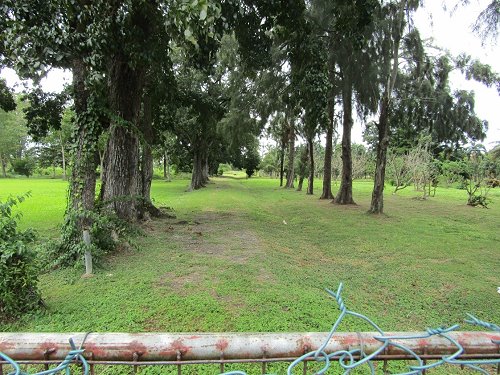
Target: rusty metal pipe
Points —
{"points": [[153, 347]]}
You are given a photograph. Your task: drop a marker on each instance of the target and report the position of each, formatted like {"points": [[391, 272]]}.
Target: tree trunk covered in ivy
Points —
{"points": [[291, 157], [327, 172], [122, 177], [310, 180], [84, 163], [344, 195]]}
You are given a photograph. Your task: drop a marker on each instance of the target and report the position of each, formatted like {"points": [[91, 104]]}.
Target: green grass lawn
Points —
{"points": [[246, 255]]}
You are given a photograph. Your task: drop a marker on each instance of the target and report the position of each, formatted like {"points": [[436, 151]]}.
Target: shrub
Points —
{"points": [[23, 166], [18, 272]]}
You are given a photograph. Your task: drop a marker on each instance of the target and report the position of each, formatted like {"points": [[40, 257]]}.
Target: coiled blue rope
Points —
{"points": [[74, 355]]}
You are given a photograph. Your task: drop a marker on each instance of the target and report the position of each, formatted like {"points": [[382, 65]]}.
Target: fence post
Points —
{"points": [[88, 255]]}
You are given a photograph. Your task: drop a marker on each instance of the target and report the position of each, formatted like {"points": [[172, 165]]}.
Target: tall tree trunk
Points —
{"points": [[205, 170], [310, 181], [291, 157], [327, 170], [101, 166], [377, 203], [3, 161], [301, 182], [282, 162], [122, 168], [83, 177], [147, 159], [197, 181], [344, 195], [165, 165], [63, 155]]}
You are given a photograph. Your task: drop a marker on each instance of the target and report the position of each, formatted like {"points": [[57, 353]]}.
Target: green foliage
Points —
{"points": [[252, 160], [69, 249], [18, 272], [7, 102], [24, 166]]}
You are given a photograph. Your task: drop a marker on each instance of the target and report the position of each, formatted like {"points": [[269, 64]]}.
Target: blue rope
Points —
{"points": [[346, 358], [74, 355]]}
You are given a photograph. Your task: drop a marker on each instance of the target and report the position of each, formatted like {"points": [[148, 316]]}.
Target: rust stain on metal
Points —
{"points": [[304, 344], [177, 346], [222, 345]]}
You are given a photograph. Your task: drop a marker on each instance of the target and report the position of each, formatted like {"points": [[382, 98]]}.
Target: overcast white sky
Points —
{"points": [[449, 31]]}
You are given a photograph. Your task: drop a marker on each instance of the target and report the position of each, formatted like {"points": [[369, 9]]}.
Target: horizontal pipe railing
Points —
{"points": [[168, 348]]}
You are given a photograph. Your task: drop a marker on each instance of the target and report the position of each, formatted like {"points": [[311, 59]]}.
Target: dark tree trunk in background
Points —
{"points": [[165, 165], [344, 195], [63, 155], [205, 168], [122, 185], [147, 158], [310, 180], [83, 172], [327, 172], [282, 162], [197, 179], [291, 157], [4, 166], [301, 182]]}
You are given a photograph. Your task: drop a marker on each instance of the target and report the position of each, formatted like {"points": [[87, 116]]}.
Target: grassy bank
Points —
{"points": [[245, 255]]}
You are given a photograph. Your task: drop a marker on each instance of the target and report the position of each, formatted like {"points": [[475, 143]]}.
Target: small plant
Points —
{"points": [[69, 249], [18, 272]]}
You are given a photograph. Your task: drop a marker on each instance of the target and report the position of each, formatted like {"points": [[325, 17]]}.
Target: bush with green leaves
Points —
{"points": [[18, 270], [24, 166], [69, 249]]}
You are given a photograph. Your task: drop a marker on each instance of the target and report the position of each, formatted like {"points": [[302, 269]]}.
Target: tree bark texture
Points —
{"points": [[377, 203], [4, 166], [83, 176], [122, 186], [344, 195], [301, 182], [282, 163], [63, 155], [327, 172], [310, 180], [147, 159], [197, 178], [291, 157]]}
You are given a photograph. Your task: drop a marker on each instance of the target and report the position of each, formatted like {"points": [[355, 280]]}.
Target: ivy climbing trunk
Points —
{"points": [[84, 157], [344, 195], [310, 180], [291, 157], [122, 177]]}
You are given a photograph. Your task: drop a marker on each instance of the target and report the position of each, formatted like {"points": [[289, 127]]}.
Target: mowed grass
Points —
{"points": [[246, 255]]}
